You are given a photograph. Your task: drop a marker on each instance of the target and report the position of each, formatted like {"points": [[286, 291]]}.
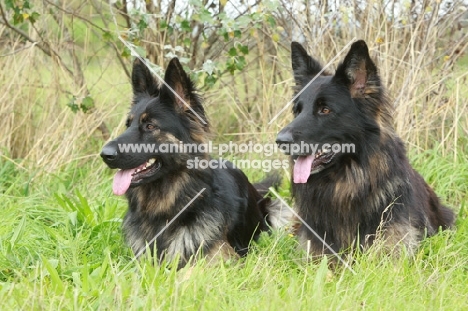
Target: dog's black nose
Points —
{"points": [[109, 152], [285, 136]]}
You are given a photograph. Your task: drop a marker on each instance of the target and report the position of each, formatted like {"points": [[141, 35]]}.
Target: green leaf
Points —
{"points": [[107, 36], [205, 17], [74, 107], [240, 64], [72, 104], [255, 16], [86, 104], [232, 51], [185, 25], [34, 17], [210, 80], [244, 49], [73, 216], [54, 276], [86, 209], [163, 25], [170, 29], [244, 20], [271, 21], [18, 231], [230, 66], [142, 24], [9, 4], [18, 18], [320, 278], [126, 52], [237, 33]]}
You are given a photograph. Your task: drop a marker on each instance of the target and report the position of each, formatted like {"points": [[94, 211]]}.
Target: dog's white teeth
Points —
{"points": [[149, 163]]}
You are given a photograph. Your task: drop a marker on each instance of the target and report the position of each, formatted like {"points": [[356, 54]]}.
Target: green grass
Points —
{"points": [[61, 248]]}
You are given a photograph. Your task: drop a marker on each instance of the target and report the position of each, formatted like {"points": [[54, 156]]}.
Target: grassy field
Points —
{"points": [[61, 248], [60, 239]]}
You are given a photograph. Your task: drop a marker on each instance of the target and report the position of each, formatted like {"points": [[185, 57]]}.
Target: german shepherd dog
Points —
{"points": [[222, 220], [351, 198]]}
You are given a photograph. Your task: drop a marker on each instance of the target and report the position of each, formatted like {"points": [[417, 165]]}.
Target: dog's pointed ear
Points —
{"points": [[303, 65], [178, 88], [358, 72], [142, 79]]}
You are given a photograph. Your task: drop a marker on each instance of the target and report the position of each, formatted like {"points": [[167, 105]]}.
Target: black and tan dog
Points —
{"points": [[222, 220], [357, 183]]}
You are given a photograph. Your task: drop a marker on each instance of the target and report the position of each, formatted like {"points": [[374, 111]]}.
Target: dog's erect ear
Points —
{"points": [[303, 65], [358, 72], [177, 79], [142, 79]]}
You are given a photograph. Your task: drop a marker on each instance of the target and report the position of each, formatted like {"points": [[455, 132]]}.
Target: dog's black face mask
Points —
{"points": [[329, 121], [158, 120]]}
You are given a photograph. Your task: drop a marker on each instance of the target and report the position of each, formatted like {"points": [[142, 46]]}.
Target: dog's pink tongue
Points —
{"points": [[302, 169], [122, 181]]}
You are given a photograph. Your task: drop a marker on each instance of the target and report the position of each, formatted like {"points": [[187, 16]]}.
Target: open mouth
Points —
{"points": [[146, 170], [305, 166], [123, 179]]}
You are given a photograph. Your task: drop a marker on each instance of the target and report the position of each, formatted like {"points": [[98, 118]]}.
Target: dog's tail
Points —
{"points": [[272, 180], [277, 214]]}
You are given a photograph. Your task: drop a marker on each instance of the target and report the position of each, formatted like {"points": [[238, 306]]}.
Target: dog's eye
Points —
{"points": [[324, 110], [151, 127]]}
